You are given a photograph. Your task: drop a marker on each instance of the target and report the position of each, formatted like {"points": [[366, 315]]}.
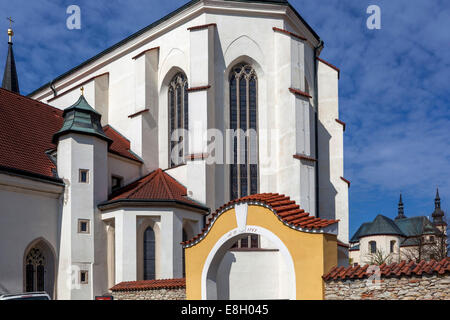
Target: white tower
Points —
{"points": [[82, 164]]}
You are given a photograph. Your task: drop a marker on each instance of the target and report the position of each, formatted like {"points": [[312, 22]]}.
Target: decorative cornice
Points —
{"points": [[303, 157], [342, 123], [299, 93], [195, 89], [204, 26], [144, 52], [289, 33], [346, 181], [138, 113], [77, 86]]}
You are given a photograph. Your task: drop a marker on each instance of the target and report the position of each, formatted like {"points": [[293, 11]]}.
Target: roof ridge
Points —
{"points": [[161, 173]]}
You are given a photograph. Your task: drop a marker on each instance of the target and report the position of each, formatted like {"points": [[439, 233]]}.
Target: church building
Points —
{"points": [[108, 168], [402, 239]]}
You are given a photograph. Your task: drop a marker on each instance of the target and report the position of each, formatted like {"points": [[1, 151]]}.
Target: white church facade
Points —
{"points": [[214, 102]]}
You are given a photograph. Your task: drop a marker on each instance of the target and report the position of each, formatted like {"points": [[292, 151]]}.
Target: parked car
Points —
{"points": [[26, 296]]}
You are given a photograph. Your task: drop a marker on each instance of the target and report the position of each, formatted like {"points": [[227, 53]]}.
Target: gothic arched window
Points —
{"points": [[35, 271], [149, 254], [178, 118], [243, 121]]}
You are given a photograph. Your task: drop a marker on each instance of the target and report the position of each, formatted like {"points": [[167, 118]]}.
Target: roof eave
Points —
{"points": [[112, 204]]}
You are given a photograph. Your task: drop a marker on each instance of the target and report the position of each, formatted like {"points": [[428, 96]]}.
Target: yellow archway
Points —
{"points": [[308, 245]]}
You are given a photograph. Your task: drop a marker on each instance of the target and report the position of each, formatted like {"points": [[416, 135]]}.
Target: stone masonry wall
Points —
{"points": [[425, 287], [155, 294]]}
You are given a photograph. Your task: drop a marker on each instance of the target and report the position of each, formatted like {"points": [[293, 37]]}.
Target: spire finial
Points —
{"points": [[82, 91], [10, 30], [437, 200], [401, 209]]}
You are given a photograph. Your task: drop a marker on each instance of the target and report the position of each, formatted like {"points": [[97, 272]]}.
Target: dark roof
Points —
{"points": [[150, 285], [287, 211], [362, 230], [393, 270], [26, 130], [416, 226], [407, 227], [10, 79], [156, 187], [81, 118], [158, 22]]}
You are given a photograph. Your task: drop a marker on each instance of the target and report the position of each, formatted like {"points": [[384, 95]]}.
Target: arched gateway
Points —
{"points": [[305, 246]]}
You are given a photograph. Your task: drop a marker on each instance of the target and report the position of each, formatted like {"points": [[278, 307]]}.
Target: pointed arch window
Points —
{"points": [[243, 121], [178, 118], [149, 254], [35, 271]]}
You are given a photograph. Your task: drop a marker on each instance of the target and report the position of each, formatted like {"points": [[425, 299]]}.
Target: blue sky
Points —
{"points": [[394, 87]]}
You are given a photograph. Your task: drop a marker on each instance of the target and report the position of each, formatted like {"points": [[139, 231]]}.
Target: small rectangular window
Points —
{"points": [[116, 183], [83, 226], [84, 277], [84, 176]]}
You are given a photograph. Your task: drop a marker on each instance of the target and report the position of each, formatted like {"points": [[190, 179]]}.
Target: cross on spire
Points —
{"points": [[11, 21]]}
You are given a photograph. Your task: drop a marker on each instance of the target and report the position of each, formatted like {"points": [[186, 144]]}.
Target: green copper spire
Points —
{"points": [[83, 119]]}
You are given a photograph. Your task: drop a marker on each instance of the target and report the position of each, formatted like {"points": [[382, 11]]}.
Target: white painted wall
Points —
{"points": [[383, 244], [242, 36], [169, 225], [252, 275], [333, 191], [29, 210], [81, 251]]}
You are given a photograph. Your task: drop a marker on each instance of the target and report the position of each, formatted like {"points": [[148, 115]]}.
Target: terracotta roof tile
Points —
{"points": [[150, 285], [120, 145], [26, 130], [286, 210], [157, 185], [394, 269]]}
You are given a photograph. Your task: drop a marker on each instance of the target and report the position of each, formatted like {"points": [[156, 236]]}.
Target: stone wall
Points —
{"points": [[425, 287], [154, 294]]}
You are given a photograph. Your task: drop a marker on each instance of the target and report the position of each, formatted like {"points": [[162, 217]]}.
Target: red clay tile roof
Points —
{"points": [[120, 145], [150, 285], [26, 130], [393, 270], [157, 185], [287, 211]]}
